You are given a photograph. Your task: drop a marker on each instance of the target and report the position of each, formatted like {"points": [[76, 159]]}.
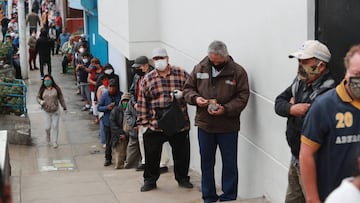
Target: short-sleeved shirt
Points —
{"points": [[155, 93], [333, 126]]}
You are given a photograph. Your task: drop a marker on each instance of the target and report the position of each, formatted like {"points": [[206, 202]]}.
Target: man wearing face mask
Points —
{"points": [[293, 103], [142, 67], [155, 95], [219, 88], [331, 134]]}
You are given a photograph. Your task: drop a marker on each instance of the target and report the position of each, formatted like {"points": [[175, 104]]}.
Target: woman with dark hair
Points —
{"points": [[49, 97]]}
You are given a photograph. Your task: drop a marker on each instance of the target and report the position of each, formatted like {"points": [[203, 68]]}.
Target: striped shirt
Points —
{"points": [[155, 93]]}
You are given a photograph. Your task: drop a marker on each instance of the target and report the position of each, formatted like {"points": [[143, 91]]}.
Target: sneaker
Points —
{"points": [[164, 169], [85, 108], [186, 184], [141, 167], [148, 187], [55, 145]]}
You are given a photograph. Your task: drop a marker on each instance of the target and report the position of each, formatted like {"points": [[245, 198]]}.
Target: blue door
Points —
{"points": [[98, 45]]}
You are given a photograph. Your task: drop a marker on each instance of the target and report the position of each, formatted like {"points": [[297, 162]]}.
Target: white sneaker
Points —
{"points": [[55, 145]]}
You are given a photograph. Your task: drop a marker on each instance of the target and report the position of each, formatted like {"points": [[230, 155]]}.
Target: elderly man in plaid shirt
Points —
{"points": [[156, 92]]}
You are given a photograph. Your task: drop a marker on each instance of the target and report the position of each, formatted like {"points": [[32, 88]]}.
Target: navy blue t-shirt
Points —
{"points": [[333, 126]]}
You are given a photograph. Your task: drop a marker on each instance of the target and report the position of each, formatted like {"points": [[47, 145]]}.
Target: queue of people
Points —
{"points": [[131, 122], [322, 130]]}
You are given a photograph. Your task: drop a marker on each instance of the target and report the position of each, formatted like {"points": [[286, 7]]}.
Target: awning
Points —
{"points": [[75, 4]]}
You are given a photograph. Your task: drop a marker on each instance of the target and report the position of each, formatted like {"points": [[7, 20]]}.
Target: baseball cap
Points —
{"points": [[312, 49], [139, 61], [159, 52]]}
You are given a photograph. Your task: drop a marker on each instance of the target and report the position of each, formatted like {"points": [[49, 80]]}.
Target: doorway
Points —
{"points": [[337, 25]]}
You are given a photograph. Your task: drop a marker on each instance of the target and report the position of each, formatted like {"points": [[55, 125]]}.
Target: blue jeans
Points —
{"points": [[228, 145], [102, 131]]}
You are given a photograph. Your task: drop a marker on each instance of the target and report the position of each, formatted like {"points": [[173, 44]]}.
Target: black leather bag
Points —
{"points": [[171, 119]]}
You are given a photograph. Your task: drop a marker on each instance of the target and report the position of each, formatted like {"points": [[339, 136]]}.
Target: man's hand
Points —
{"points": [[299, 109], [111, 106], [122, 137], [201, 102], [219, 111], [41, 102]]}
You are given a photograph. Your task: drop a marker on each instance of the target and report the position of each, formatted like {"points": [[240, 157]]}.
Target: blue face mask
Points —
{"points": [[47, 83]]}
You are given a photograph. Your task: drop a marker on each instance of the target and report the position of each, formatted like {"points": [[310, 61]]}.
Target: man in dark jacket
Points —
{"points": [[108, 101], [312, 80], [219, 88], [142, 67], [43, 48]]}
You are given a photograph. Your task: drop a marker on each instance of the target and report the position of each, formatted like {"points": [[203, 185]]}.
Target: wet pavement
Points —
{"points": [[74, 172]]}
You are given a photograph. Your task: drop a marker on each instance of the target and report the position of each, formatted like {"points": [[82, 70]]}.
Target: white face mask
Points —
{"points": [[108, 71], [81, 50], [161, 64], [85, 60]]}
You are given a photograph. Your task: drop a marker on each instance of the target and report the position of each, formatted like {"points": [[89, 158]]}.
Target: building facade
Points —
{"points": [[259, 36]]}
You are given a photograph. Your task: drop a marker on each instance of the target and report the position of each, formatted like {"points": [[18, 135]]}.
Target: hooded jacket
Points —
{"points": [[230, 88]]}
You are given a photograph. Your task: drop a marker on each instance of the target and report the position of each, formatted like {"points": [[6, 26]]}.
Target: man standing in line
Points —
{"points": [[313, 79], [142, 67], [219, 87], [155, 95], [331, 134]]}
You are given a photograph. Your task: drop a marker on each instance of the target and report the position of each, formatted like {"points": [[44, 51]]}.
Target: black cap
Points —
{"points": [[139, 61]]}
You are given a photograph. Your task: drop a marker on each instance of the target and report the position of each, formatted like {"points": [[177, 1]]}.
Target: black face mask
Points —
{"points": [[139, 72], [219, 66]]}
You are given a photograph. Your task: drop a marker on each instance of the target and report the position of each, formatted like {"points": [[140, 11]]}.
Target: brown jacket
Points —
{"points": [[230, 88]]}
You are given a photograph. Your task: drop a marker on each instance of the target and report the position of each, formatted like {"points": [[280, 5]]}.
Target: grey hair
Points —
{"points": [[219, 48]]}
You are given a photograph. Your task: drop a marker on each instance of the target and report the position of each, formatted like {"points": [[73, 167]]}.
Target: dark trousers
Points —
{"points": [[32, 29], [180, 145], [108, 150], [32, 58], [228, 144], [42, 63]]}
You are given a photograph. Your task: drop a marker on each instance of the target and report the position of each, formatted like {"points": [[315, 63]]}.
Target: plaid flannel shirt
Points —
{"points": [[155, 92]]}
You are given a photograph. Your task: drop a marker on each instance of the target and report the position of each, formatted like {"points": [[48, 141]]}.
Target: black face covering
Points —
{"points": [[219, 66], [139, 72]]}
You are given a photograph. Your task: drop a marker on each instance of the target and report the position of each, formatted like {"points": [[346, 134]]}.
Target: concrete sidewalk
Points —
{"points": [[74, 172]]}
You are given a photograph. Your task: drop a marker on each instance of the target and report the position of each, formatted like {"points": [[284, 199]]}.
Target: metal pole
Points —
{"points": [[22, 38], [9, 10]]}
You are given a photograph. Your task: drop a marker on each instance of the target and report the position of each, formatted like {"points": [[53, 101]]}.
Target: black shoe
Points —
{"points": [[186, 184], [107, 163], [148, 187], [36, 68], [164, 169], [141, 167]]}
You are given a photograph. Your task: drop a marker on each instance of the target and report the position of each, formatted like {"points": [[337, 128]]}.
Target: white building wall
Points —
{"points": [[259, 34]]}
